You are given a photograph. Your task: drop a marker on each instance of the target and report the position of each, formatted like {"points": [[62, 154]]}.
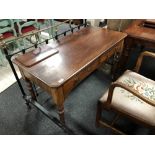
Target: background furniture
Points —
{"points": [[26, 26], [11, 28], [7, 33], [46, 22], [138, 35], [74, 21], [118, 24], [79, 55], [132, 95]]}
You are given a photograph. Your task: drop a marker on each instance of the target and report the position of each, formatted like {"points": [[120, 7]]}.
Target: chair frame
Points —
{"points": [[107, 104], [47, 22], [6, 28], [26, 24]]}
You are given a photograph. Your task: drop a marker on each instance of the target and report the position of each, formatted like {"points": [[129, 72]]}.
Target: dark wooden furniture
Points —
{"points": [[74, 21], [132, 95], [78, 55], [140, 32]]}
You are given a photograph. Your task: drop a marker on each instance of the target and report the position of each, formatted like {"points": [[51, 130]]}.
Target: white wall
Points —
{"points": [[94, 22]]}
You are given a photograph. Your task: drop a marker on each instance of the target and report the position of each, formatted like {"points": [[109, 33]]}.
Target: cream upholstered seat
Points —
{"points": [[130, 104], [132, 95]]}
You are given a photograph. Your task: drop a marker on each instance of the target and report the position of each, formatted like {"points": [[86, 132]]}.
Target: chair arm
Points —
{"points": [[129, 89], [140, 59]]}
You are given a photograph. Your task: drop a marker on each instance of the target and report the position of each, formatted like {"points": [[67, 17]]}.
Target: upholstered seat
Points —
{"points": [[41, 20], [28, 29], [7, 30], [7, 35], [132, 95], [25, 26], [126, 102]]}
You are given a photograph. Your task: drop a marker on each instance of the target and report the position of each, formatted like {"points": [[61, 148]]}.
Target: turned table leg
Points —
{"points": [[58, 97], [30, 89], [115, 67], [125, 54]]}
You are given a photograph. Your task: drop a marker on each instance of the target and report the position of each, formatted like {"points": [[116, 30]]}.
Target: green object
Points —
{"points": [[47, 22], [2, 59], [6, 25]]}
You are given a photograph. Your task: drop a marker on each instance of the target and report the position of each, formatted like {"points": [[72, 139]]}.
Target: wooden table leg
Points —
{"points": [[115, 66], [58, 97], [61, 112], [30, 89], [115, 70], [125, 54]]}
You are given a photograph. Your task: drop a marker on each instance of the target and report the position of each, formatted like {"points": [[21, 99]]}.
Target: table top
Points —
{"points": [[75, 52], [137, 30]]}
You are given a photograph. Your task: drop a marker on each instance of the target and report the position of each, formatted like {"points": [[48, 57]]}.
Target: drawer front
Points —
{"points": [[117, 49], [75, 80]]}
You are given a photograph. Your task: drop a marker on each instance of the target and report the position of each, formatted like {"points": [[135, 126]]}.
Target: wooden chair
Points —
{"points": [[46, 22], [26, 26], [132, 95], [71, 23]]}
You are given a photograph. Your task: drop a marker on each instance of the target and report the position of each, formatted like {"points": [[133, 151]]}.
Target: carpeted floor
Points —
{"points": [[80, 111]]}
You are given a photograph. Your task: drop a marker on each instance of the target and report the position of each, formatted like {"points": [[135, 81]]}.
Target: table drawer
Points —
{"points": [[75, 80], [109, 53]]}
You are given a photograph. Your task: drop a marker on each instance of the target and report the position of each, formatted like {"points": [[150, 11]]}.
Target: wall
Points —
{"points": [[118, 24], [94, 22]]}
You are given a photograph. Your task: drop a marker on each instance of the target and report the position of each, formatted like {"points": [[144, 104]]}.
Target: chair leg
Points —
{"points": [[98, 113], [152, 131], [51, 30], [115, 119], [39, 37], [100, 122], [104, 124], [2, 59], [24, 43], [19, 46], [47, 23]]}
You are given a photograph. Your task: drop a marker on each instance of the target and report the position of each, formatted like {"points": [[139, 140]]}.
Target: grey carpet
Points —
{"points": [[80, 111]]}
